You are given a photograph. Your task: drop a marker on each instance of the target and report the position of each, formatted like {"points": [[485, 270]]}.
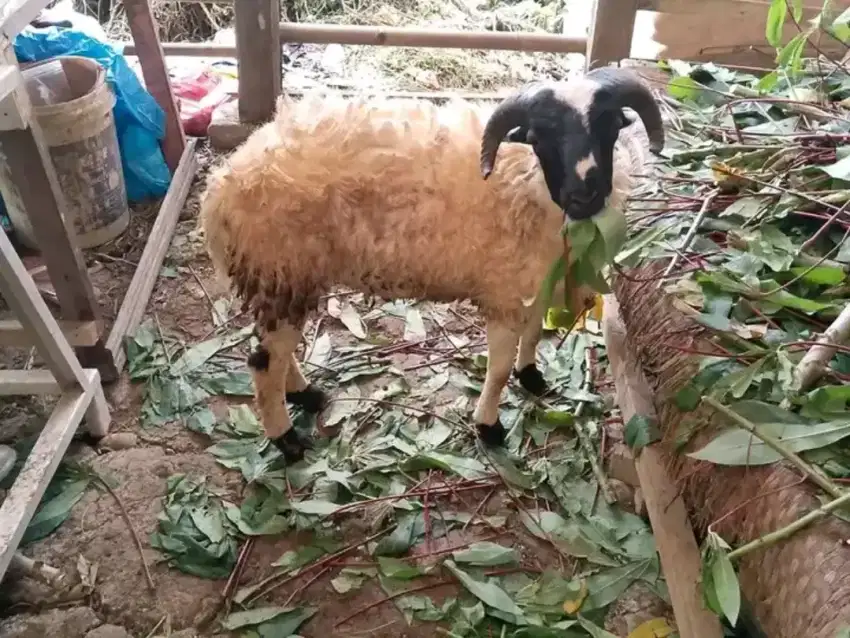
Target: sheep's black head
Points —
{"points": [[572, 128]]}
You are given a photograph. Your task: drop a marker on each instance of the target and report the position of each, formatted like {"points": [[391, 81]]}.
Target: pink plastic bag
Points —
{"points": [[198, 96]]}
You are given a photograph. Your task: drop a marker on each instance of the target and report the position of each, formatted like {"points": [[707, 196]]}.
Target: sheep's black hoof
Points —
{"points": [[311, 399], [531, 379], [492, 435], [292, 445]]}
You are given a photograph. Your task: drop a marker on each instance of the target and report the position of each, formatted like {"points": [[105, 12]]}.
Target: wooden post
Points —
{"points": [[258, 57], [146, 41], [609, 37], [674, 536]]}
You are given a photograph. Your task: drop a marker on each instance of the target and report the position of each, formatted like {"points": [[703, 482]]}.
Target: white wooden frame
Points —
{"points": [[81, 394]]}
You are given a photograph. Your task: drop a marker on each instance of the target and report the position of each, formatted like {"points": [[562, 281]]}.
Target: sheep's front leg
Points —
{"points": [[270, 364], [301, 392], [526, 370], [502, 342]]}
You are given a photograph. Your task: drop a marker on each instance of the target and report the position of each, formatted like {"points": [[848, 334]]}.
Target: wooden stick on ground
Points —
{"points": [[680, 557]]}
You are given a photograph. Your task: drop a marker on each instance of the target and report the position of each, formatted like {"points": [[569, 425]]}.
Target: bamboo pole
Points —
{"points": [[391, 36]]}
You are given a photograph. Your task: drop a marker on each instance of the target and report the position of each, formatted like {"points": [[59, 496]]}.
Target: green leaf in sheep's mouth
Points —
{"points": [[594, 243]]}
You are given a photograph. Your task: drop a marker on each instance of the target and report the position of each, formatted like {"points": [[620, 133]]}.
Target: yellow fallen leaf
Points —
{"points": [[563, 318], [596, 311], [572, 605], [728, 178], [558, 318], [655, 628]]}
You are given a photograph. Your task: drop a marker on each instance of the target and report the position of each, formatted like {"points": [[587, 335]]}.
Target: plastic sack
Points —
{"points": [[139, 120], [199, 95]]}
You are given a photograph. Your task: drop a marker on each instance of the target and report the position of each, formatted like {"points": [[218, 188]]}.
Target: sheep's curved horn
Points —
{"points": [[627, 90], [512, 112]]}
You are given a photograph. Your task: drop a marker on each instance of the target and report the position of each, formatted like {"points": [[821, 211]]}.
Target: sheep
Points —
{"points": [[386, 196]]}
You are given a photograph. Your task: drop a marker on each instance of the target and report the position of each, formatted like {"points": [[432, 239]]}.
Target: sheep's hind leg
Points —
{"points": [[308, 396], [501, 348], [526, 370], [270, 364]]}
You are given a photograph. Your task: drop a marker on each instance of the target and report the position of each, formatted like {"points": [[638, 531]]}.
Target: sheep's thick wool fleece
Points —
{"points": [[383, 196]]}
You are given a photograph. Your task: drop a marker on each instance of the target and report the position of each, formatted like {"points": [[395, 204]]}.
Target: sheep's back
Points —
{"points": [[384, 196]]}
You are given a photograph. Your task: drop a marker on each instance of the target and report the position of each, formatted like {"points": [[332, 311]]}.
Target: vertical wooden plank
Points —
{"points": [[259, 58], [674, 536], [22, 296], [32, 172], [609, 37], [149, 50]]}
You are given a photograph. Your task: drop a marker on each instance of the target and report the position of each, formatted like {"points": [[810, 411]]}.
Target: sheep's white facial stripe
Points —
{"points": [[579, 93], [584, 165]]}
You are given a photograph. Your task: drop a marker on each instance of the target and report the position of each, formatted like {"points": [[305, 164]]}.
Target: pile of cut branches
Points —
{"points": [[745, 231]]}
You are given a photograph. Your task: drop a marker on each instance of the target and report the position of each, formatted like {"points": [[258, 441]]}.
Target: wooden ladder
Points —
{"points": [[81, 395]]}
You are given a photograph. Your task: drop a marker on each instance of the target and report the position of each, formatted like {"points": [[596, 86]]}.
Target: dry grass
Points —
{"points": [[391, 68]]}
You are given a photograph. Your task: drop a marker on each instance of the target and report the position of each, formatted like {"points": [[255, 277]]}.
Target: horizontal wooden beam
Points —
{"points": [[391, 37], [429, 38], [78, 333], [15, 383]]}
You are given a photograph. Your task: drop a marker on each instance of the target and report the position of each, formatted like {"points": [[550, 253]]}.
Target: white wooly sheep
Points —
{"points": [[386, 196]]}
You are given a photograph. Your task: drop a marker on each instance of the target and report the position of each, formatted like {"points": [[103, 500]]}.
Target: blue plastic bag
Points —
{"points": [[139, 120]]}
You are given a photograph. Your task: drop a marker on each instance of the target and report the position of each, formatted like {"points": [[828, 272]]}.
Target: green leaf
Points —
{"points": [[55, 507], [820, 275], [606, 586], [746, 207], [508, 470], [739, 447], [641, 431], [581, 235], [768, 82], [613, 228], [827, 399], [685, 88], [559, 418], [423, 609], [568, 537], [487, 592], [466, 467], [350, 578], [199, 354], [398, 569], [486, 554], [202, 421], [786, 299], [314, 507], [688, 398], [723, 585], [410, 527], [269, 621], [296, 559], [790, 56], [741, 381], [775, 22]]}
